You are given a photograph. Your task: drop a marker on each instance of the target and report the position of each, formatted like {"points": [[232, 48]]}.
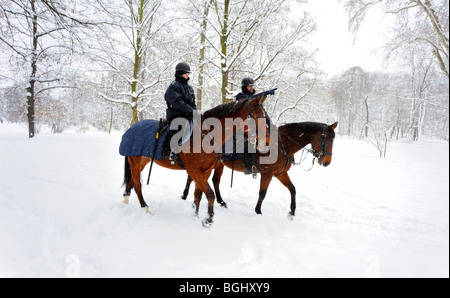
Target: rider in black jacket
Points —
{"points": [[248, 90], [180, 97]]}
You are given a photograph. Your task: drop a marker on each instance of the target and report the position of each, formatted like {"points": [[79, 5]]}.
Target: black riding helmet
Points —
{"points": [[182, 68]]}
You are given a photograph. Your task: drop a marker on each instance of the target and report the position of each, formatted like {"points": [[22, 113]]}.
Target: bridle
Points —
{"points": [[254, 137], [319, 155], [323, 150]]}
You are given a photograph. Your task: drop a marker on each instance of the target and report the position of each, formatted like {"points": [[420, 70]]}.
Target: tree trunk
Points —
{"points": [[201, 74], [111, 121], [366, 130], [137, 65], [224, 50], [30, 89]]}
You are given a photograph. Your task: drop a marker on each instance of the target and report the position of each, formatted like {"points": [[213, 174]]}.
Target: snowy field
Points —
{"points": [[61, 214]]}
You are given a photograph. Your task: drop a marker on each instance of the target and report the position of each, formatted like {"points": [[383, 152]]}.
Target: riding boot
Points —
{"points": [[167, 150], [251, 164]]}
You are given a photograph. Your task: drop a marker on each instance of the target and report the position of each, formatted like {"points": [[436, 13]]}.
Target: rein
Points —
{"points": [[291, 159], [302, 159]]}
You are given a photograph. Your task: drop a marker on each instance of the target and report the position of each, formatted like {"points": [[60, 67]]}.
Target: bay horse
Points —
{"points": [[198, 165], [291, 138]]}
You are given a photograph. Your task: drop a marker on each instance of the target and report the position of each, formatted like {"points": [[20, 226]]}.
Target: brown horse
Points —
{"points": [[199, 165], [291, 138]]}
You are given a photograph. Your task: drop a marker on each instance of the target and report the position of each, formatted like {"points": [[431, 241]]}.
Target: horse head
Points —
{"points": [[322, 144], [246, 115], [256, 127]]}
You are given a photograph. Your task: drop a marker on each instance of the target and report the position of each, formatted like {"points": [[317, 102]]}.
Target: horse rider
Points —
{"points": [[251, 159], [180, 99]]}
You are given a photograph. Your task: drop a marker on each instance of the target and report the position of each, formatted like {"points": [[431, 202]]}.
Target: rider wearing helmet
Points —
{"points": [[248, 89]]}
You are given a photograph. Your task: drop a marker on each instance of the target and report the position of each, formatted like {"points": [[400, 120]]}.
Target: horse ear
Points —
{"points": [[333, 126]]}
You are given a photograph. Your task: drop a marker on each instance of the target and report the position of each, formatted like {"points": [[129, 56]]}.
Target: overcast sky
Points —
{"points": [[337, 49]]}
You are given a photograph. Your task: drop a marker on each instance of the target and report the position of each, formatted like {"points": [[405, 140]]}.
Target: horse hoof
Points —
{"points": [[224, 205], [147, 210], [291, 216], [126, 199], [207, 222]]}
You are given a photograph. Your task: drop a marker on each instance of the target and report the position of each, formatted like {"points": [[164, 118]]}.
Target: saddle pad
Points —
{"points": [[140, 139]]}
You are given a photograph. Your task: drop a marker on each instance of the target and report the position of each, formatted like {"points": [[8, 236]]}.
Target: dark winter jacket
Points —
{"points": [[244, 94], [180, 99]]}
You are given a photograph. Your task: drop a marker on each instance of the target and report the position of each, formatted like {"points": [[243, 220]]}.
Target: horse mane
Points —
{"points": [[305, 127], [224, 110]]}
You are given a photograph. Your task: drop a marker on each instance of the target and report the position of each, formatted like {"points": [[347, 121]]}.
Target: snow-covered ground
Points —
{"points": [[61, 214]]}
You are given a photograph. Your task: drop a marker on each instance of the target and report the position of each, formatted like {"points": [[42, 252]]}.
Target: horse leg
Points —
{"points": [[186, 189], [201, 181], [264, 185], [216, 181], [127, 181], [127, 192], [135, 167], [197, 198], [286, 181]]}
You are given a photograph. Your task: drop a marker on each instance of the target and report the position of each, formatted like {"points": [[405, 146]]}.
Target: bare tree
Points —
{"points": [[351, 90], [418, 22], [234, 35], [200, 14], [132, 52], [36, 32]]}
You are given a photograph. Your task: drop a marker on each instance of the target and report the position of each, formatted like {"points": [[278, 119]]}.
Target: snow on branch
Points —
{"points": [[120, 101]]}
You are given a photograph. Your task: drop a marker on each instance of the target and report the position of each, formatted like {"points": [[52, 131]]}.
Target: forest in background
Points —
{"points": [[107, 63]]}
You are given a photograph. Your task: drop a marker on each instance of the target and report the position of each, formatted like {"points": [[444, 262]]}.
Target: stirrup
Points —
{"points": [[254, 172], [172, 157]]}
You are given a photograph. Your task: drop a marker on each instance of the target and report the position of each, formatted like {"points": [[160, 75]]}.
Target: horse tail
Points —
{"points": [[127, 172]]}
